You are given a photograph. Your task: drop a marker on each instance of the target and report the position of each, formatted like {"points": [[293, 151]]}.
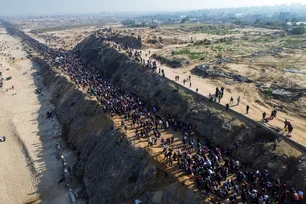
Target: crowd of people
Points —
{"points": [[211, 167], [208, 166]]}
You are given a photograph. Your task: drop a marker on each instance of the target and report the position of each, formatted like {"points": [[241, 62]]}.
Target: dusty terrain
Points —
{"points": [[259, 55], [66, 39], [30, 168], [104, 152], [206, 86], [63, 32]]}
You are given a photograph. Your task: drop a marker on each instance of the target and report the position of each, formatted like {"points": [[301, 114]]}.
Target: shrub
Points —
{"points": [[267, 91]]}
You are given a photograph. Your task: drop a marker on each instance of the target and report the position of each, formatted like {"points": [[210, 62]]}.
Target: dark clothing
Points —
{"points": [[264, 115]]}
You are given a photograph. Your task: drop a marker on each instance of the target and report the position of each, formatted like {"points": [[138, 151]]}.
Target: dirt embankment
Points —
{"points": [[210, 120], [129, 41], [112, 169], [173, 63]]}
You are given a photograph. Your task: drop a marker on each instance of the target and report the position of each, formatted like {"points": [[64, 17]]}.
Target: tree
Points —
{"points": [[257, 21], [270, 23], [298, 30], [184, 20], [129, 22], [143, 24]]}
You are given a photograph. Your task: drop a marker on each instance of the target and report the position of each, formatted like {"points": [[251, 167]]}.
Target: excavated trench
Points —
{"points": [[120, 172], [111, 172]]}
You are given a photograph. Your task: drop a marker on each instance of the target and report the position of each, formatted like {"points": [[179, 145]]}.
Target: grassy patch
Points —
{"points": [[262, 40], [298, 36], [245, 38], [221, 32], [182, 52], [267, 91], [267, 94], [60, 28], [192, 55], [217, 48], [216, 30], [293, 42]]}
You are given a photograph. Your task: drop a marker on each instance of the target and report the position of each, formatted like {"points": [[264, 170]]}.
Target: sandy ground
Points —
{"points": [[29, 167], [66, 39], [207, 86]]}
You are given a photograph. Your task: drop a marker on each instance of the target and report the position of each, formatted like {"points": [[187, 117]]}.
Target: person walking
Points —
{"points": [[163, 73], [264, 115], [217, 92], [247, 109], [222, 92], [290, 128], [231, 100], [238, 100], [227, 106]]}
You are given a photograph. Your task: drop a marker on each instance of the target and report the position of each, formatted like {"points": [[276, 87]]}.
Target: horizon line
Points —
{"points": [[79, 13]]}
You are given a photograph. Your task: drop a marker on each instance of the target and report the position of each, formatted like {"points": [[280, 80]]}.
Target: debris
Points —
{"points": [[219, 73], [222, 60], [282, 92], [275, 51], [2, 138], [8, 78], [203, 67], [263, 85], [294, 71]]}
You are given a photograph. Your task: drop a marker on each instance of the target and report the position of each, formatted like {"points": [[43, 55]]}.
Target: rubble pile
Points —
{"points": [[272, 52], [204, 70], [279, 92]]}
